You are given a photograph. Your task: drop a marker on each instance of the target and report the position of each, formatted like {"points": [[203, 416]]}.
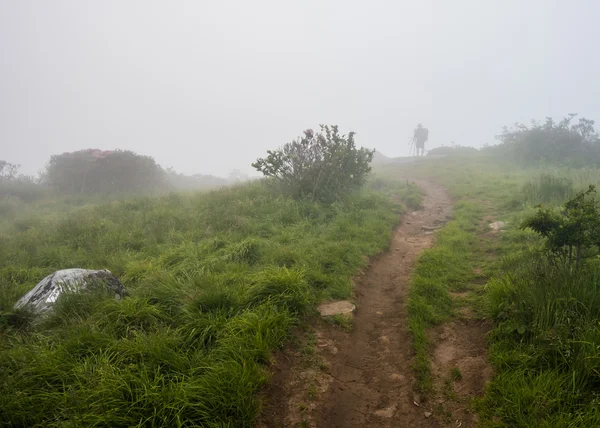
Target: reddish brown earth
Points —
{"points": [[364, 377]]}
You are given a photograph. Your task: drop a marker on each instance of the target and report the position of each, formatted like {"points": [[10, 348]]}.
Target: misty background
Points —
{"points": [[207, 87]]}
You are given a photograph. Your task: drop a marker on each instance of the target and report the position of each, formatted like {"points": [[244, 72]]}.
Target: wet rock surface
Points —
{"points": [[42, 297]]}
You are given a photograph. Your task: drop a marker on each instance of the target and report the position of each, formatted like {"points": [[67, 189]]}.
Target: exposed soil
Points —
{"points": [[364, 377], [460, 369]]}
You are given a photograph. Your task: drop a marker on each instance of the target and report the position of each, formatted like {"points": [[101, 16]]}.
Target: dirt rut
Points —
{"points": [[368, 381], [371, 377]]}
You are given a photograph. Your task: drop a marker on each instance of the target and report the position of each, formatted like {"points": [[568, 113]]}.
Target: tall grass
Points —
{"points": [[216, 283], [545, 344], [548, 189]]}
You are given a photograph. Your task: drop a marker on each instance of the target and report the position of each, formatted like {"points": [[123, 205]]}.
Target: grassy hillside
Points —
{"points": [[545, 340], [216, 282]]}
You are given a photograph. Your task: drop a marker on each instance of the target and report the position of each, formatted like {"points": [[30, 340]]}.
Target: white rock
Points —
{"points": [[497, 225], [336, 308], [42, 297]]}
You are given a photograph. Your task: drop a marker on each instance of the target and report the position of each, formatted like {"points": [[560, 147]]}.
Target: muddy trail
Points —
{"points": [[365, 378]]}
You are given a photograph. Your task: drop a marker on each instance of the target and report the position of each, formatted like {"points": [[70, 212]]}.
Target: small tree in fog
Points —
{"points": [[8, 171], [320, 166], [98, 171]]}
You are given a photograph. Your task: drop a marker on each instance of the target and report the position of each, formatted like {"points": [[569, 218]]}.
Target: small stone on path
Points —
{"points": [[386, 413], [336, 308], [396, 376], [428, 415], [497, 225], [417, 400]]}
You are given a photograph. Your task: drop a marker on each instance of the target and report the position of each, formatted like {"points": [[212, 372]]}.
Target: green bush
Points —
{"points": [[319, 166], [562, 143], [97, 171], [573, 234]]}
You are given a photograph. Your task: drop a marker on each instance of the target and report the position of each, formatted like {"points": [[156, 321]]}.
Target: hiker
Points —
{"points": [[419, 138]]}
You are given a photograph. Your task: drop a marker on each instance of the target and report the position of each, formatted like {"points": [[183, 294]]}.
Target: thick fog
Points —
{"points": [[206, 87]]}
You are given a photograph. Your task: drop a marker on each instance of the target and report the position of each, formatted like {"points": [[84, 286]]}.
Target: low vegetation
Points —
{"points": [[546, 306], [216, 282], [542, 272]]}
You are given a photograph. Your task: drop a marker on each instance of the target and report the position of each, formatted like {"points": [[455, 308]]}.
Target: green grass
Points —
{"points": [[547, 189], [545, 344], [344, 321], [216, 283], [455, 374], [545, 341]]}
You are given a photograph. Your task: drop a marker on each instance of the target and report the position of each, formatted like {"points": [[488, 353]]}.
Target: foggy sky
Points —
{"points": [[208, 86]]}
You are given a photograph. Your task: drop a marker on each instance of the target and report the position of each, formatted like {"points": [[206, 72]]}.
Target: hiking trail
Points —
{"points": [[367, 379]]}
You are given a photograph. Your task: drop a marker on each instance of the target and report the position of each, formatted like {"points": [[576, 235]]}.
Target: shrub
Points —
{"points": [[320, 166], [554, 143], [97, 171], [572, 234]]}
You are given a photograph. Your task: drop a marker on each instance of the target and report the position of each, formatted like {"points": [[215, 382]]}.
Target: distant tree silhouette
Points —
{"points": [[98, 171], [559, 143]]}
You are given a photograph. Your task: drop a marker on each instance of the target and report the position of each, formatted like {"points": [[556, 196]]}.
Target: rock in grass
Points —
{"points": [[41, 297], [497, 225], [336, 308]]}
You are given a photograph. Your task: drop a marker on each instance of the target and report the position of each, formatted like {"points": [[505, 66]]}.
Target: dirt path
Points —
{"points": [[368, 380]]}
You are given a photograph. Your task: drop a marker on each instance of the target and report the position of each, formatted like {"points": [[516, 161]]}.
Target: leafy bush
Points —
{"points": [[320, 166], [551, 142], [572, 234], [97, 171]]}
